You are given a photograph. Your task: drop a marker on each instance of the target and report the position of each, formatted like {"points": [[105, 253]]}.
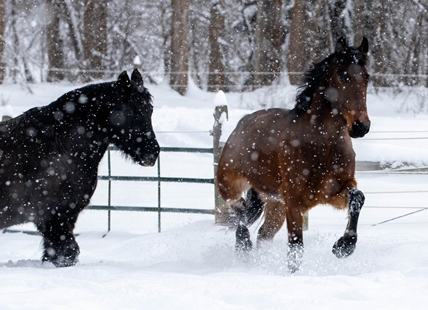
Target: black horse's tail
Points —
{"points": [[252, 209]]}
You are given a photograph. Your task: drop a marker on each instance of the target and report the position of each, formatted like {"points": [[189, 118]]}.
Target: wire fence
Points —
{"points": [[401, 195], [376, 169], [236, 81]]}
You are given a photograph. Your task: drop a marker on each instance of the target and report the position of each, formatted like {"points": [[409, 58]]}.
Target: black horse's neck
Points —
{"points": [[73, 124], [79, 120]]}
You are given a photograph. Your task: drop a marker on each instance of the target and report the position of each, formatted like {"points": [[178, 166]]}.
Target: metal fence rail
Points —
{"points": [[362, 168]]}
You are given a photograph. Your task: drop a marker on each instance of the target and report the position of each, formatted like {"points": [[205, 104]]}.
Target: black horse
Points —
{"points": [[49, 157]]}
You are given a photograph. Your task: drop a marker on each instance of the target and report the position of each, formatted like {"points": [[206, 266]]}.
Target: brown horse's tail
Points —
{"points": [[250, 210], [253, 208]]}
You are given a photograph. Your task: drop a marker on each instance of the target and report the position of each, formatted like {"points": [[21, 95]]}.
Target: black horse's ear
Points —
{"points": [[137, 78], [341, 45], [124, 80], [364, 47]]}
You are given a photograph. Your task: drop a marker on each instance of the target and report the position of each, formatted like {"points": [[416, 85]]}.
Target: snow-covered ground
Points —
{"points": [[191, 264]]}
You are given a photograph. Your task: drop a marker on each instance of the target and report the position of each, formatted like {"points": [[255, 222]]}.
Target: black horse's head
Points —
{"points": [[130, 120]]}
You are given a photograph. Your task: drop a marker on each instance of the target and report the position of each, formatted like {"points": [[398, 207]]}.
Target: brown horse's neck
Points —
{"points": [[323, 115]]}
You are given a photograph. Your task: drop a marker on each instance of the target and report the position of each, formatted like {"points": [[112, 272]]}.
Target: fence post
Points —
{"points": [[159, 196], [306, 221], [109, 192], [217, 148], [6, 112]]}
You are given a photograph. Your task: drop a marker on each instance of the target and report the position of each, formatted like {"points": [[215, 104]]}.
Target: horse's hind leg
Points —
{"points": [[345, 246], [248, 212], [231, 188], [275, 215], [243, 242], [60, 246]]}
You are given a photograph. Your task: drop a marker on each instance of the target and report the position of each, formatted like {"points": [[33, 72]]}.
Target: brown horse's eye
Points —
{"points": [[343, 77]]}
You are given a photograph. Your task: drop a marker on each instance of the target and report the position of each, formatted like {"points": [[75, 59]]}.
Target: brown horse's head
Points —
{"points": [[348, 85], [342, 80]]}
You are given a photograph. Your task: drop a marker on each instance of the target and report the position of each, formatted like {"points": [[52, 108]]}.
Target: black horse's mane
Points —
{"points": [[84, 98], [316, 72], [52, 120]]}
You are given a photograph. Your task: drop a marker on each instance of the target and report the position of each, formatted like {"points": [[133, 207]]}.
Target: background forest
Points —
{"points": [[235, 45]]}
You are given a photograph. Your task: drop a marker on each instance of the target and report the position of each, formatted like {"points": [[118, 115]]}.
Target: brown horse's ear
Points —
{"points": [[124, 80], [341, 45], [137, 78], [364, 47]]}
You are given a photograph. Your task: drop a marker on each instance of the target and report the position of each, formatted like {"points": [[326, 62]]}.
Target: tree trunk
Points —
{"points": [[69, 15], [2, 64], [380, 48], [267, 55], [337, 24], [179, 46], [95, 37], [216, 76], [362, 21], [54, 42], [298, 55]]}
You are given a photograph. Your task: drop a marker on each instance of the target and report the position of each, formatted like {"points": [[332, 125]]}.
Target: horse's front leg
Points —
{"points": [[345, 246], [60, 246]]}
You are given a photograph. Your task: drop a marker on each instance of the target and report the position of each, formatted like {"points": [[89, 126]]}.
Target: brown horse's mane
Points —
{"points": [[316, 72]]}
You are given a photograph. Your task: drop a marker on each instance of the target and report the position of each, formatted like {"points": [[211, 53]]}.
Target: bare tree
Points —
{"points": [[179, 45], [2, 65], [267, 54], [337, 16], [70, 12], [95, 36], [166, 13], [20, 69], [298, 48], [216, 65], [54, 42]]}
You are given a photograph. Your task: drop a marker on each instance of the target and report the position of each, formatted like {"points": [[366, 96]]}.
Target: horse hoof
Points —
{"points": [[65, 262], [295, 257], [68, 258], [344, 247], [243, 241], [61, 261]]}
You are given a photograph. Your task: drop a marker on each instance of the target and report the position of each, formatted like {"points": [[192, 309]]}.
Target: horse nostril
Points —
{"points": [[367, 126], [359, 129]]}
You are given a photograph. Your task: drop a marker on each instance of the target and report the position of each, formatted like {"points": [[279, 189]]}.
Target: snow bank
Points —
{"points": [[191, 264]]}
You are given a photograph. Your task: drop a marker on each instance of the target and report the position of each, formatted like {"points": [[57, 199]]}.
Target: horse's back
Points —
{"points": [[259, 130], [260, 117], [261, 127]]}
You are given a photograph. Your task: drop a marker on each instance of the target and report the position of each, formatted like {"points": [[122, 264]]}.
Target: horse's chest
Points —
{"points": [[317, 163]]}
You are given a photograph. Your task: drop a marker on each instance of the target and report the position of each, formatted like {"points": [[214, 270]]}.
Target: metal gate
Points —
{"points": [[159, 179]]}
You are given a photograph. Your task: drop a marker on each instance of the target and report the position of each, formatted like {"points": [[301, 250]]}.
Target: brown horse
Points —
{"points": [[289, 161]]}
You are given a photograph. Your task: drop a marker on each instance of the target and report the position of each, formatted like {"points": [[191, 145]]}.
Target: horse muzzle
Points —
{"points": [[149, 159], [359, 129]]}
